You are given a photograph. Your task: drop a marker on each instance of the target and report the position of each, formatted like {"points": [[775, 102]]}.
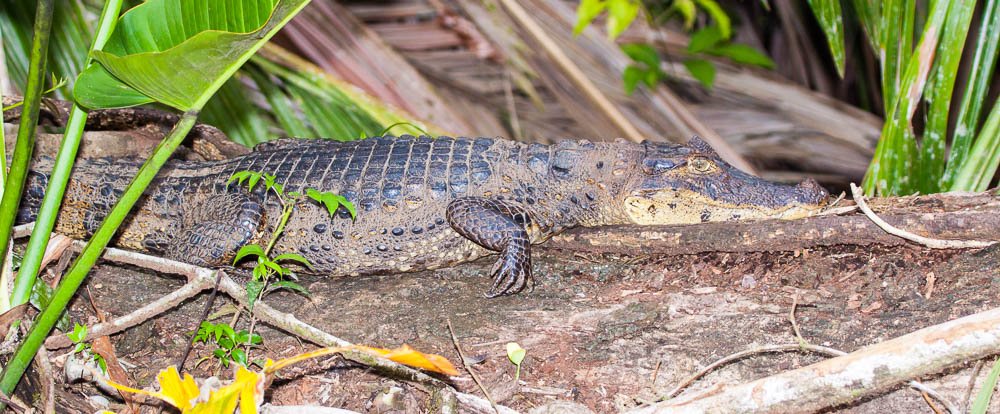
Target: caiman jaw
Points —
{"points": [[689, 207]]}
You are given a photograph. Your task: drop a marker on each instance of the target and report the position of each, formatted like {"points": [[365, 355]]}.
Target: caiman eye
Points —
{"points": [[701, 165]]}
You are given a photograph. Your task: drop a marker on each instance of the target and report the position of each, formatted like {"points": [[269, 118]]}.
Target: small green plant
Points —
{"points": [[269, 268], [231, 345], [516, 355], [78, 336], [712, 40]]}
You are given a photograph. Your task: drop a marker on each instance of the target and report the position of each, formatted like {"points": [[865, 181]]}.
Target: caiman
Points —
{"points": [[422, 203]]}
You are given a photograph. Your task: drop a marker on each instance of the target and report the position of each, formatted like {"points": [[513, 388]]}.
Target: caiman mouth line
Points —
{"points": [[689, 207]]}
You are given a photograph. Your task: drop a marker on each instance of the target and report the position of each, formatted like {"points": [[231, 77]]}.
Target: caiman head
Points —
{"points": [[680, 184]]}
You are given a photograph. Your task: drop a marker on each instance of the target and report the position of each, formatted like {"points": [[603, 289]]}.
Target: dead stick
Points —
{"points": [[465, 363]]}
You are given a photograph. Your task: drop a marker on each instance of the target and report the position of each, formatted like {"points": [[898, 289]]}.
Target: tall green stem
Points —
{"points": [[60, 174], [91, 252], [29, 121]]}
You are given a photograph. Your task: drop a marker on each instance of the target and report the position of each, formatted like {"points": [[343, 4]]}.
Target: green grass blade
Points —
{"points": [[982, 401], [939, 96], [14, 184], [830, 18], [984, 61], [980, 166], [59, 177]]}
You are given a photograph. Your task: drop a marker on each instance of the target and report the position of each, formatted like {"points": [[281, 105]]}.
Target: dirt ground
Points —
{"points": [[608, 332]]}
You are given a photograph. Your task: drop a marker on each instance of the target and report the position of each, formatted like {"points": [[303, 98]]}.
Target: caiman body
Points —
{"points": [[421, 203]]}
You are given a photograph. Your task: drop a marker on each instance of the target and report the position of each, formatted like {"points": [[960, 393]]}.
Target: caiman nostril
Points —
{"points": [[813, 192]]}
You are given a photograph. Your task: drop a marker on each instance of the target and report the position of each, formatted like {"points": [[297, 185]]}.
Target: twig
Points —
{"points": [[859, 198], [791, 317], [746, 353], [468, 367], [930, 402], [204, 317], [972, 383], [45, 374], [13, 403], [190, 289]]}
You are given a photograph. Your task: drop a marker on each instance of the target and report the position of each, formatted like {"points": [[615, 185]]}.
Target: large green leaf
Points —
{"points": [[179, 52]]}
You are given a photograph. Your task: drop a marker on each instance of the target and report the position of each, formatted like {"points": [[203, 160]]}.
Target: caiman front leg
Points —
{"points": [[501, 227]]}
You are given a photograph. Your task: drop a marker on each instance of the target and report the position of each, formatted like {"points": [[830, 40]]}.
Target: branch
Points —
{"points": [[943, 216], [841, 380]]}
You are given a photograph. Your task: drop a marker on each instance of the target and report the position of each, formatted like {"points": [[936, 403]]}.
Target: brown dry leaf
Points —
{"points": [[103, 347], [12, 314]]}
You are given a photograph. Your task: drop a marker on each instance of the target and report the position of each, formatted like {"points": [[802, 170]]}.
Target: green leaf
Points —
{"points": [[101, 363], [940, 87], [238, 176], [227, 343], [288, 284], [621, 14], [653, 77], [254, 287], [830, 18], [982, 401], [516, 355], [702, 70], [720, 16], [686, 9], [227, 331], [631, 77], [240, 356], [180, 52], [641, 52], [276, 268], [256, 339], [220, 353], [976, 173], [249, 250], [892, 166], [976, 90], [704, 39], [294, 257], [586, 12], [79, 333], [742, 54]]}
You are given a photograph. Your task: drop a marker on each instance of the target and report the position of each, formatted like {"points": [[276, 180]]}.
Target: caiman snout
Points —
{"points": [[810, 192]]}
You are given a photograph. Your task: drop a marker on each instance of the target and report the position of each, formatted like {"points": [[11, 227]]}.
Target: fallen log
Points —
{"points": [[941, 216]]}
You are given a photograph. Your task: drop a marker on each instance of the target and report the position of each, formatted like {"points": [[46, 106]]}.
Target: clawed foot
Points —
{"points": [[511, 273]]}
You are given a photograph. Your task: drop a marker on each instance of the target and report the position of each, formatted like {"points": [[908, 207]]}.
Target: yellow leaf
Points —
{"points": [[247, 391], [173, 390], [408, 356]]}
